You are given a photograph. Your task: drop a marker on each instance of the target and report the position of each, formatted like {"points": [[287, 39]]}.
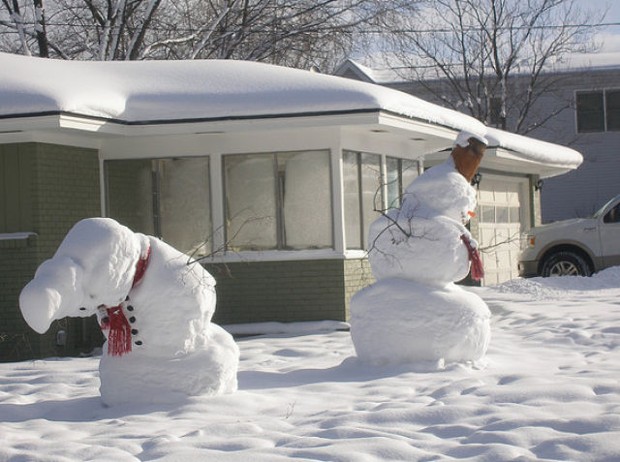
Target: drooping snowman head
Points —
{"points": [[467, 153], [445, 189], [94, 265]]}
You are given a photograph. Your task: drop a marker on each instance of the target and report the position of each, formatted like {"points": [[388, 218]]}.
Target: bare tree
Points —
{"points": [[15, 20], [488, 57], [40, 28], [297, 33]]}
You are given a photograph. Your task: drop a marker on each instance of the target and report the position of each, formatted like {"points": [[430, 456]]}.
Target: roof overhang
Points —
{"points": [[417, 137], [499, 160], [414, 138]]}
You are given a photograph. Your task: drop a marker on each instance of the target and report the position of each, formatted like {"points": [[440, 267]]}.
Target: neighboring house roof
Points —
{"points": [[572, 62], [578, 62], [353, 69]]}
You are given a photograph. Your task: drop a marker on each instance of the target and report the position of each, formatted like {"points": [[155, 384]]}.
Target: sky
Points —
{"points": [[610, 34]]}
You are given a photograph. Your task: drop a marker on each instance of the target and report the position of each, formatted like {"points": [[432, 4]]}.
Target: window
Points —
{"points": [[399, 174], [362, 195], [590, 113], [612, 109], [498, 214], [613, 216], [184, 203], [598, 111], [168, 198], [278, 201]]}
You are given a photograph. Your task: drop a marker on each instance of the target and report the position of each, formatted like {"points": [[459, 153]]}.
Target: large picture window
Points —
{"points": [[277, 201], [168, 198], [598, 111]]}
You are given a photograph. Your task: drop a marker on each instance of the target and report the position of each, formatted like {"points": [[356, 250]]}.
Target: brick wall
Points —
{"points": [[64, 188], [357, 276], [287, 291]]}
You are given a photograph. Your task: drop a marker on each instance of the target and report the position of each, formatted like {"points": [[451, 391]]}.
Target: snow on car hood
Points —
{"points": [[564, 225]]}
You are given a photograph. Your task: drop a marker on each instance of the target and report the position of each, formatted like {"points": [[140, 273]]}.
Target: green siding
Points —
{"points": [[287, 291], [58, 185], [15, 188]]}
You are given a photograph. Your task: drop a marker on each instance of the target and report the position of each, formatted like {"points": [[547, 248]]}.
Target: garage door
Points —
{"points": [[502, 211]]}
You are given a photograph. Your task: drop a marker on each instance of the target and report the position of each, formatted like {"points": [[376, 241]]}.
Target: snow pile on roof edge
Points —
{"points": [[139, 91]]}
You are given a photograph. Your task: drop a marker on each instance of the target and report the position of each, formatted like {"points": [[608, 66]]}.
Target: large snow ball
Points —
{"points": [[396, 321], [144, 378], [425, 250]]}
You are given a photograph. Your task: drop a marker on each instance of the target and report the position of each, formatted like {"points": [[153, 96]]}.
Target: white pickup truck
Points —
{"points": [[578, 247]]}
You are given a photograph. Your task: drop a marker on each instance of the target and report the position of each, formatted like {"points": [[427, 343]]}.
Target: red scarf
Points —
{"points": [[477, 270], [117, 325]]}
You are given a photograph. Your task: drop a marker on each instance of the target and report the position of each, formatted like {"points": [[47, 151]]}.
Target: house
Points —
{"points": [[269, 176], [584, 101], [592, 125]]}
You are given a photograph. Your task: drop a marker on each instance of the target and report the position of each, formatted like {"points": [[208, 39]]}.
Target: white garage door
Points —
{"points": [[502, 212]]}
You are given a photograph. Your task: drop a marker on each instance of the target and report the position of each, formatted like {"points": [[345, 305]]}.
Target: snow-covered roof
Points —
{"points": [[381, 76], [533, 150], [169, 91], [576, 62], [158, 92]]}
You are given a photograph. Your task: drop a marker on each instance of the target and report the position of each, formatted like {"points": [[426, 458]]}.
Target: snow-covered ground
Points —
{"points": [[550, 390]]}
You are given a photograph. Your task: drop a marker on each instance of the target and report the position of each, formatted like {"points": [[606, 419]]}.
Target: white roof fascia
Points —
{"points": [[71, 122], [416, 125], [117, 128]]}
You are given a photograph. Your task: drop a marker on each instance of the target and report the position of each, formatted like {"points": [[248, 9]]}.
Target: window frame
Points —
{"points": [[278, 161], [155, 192], [402, 184], [380, 199], [606, 111], [361, 211]]}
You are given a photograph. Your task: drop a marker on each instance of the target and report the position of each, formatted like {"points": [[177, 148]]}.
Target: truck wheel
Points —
{"points": [[565, 263]]}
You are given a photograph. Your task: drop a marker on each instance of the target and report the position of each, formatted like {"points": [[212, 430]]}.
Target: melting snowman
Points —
{"points": [[415, 312], [154, 308]]}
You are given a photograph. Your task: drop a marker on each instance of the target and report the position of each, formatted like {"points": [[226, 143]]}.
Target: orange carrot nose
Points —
{"points": [[471, 214]]}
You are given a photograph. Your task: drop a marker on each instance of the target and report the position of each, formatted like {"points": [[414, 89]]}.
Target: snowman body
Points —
{"points": [[167, 348], [415, 312]]}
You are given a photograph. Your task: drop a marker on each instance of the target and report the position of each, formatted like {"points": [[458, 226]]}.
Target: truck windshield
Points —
{"points": [[600, 211]]}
